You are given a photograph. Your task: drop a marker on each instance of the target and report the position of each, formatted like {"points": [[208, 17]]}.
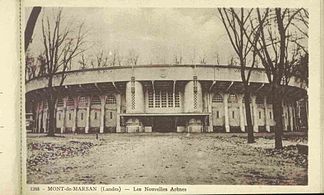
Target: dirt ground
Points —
{"points": [[164, 158]]}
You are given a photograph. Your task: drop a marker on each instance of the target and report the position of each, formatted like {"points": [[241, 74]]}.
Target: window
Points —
{"points": [[95, 115], [95, 100], [232, 98], [150, 99], [259, 115], [217, 114], [59, 116], [163, 99], [111, 116], [111, 99], [81, 116], [177, 99], [60, 103], [217, 98], [170, 99], [70, 102], [270, 115], [83, 101], [233, 114], [157, 99], [70, 116], [259, 100]]}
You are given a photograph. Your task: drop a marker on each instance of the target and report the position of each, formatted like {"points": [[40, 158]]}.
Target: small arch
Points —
{"points": [[70, 102], [110, 99], [217, 98], [95, 100], [259, 99], [232, 98], [83, 102], [60, 102]]}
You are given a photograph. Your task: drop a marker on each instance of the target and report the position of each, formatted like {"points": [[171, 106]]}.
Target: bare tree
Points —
{"points": [[61, 46], [236, 22], [274, 50], [83, 62], [178, 59], [132, 57]]}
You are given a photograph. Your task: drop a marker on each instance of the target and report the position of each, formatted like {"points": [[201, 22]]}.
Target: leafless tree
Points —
{"points": [[83, 62], [274, 50], [236, 22], [178, 59], [132, 57], [61, 46]]}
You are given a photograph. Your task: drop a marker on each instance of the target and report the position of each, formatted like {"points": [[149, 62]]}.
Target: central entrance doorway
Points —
{"points": [[164, 124]]}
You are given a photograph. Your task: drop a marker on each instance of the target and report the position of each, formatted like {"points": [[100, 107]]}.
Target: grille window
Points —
{"points": [[217, 98], [157, 99], [111, 100], [163, 99], [60, 103], [95, 100], [232, 98], [177, 99], [83, 101], [150, 99], [259, 100], [70, 102], [170, 99]]}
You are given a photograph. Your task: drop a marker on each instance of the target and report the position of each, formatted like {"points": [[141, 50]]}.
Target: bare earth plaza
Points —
{"points": [[186, 118]]}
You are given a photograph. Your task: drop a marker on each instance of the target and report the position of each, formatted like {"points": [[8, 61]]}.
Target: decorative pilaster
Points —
{"points": [[88, 115], [291, 118], [242, 124], [225, 101], [118, 104], [75, 111], [255, 114], [266, 119], [64, 113], [102, 113], [210, 112]]}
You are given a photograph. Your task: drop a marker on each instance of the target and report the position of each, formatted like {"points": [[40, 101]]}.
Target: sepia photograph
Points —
{"points": [[166, 95]]}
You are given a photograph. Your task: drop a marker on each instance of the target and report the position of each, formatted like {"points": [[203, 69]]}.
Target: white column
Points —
{"points": [[210, 112], [291, 118], [225, 101], [284, 111], [242, 124], [102, 113], [266, 114], [63, 113], [75, 111], [37, 118], [45, 120], [118, 102], [88, 115], [255, 114], [294, 117]]}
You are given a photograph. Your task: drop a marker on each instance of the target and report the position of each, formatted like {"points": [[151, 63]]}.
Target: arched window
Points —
{"points": [[60, 103], [111, 99], [217, 98], [95, 101], [83, 101], [232, 98], [259, 99], [70, 102]]}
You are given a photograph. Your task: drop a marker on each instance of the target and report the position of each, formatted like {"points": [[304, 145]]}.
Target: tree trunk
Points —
{"points": [[31, 25], [51, 112], [247, 97], [278, 117]]}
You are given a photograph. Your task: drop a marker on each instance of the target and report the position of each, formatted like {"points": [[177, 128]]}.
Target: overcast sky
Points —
{"points": [[157, 34]]}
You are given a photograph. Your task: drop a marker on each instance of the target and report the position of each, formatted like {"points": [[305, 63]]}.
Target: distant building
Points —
{"points": [[162, 98]]}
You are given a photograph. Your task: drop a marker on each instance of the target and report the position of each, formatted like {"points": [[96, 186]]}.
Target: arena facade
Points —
{"points": [[161, 98]]}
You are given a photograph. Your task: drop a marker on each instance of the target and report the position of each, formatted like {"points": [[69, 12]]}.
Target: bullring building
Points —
{"points": [[161, 98]]}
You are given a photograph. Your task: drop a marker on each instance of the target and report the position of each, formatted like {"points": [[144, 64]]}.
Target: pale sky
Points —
{"points": [[156, 34]]}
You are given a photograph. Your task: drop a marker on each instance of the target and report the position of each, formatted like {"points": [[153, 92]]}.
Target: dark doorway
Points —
{"points": [[164, 124]]}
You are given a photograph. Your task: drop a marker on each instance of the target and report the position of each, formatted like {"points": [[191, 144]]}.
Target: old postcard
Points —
{"points": [[169, 97]]}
